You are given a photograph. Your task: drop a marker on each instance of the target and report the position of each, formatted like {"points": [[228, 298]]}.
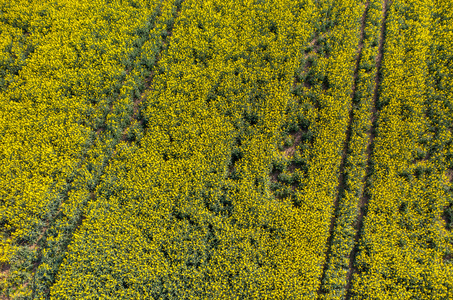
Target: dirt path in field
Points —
{"points": [[365, 196], [342, 179]]}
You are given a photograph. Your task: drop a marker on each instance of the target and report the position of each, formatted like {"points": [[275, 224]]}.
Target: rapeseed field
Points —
{"points": [[226, 149]]}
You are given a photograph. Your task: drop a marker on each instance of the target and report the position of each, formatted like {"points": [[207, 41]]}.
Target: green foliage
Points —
{"points": [[192, 150]]}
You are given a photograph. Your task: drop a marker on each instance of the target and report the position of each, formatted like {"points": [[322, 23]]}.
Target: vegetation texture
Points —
{"points": [[226, 149]]}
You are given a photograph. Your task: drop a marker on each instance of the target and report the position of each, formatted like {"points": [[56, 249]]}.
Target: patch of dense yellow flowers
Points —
{"points": [[404, 241]]}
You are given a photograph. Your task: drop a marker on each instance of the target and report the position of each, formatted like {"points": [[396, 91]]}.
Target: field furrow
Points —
{"points": [[440, 115]]}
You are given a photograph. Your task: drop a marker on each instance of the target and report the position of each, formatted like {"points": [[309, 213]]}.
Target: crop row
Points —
{"points": [[440, 109]]}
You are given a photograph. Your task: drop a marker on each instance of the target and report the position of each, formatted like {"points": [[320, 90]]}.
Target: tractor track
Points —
{"points": [[41, 243], [342, 178], [364, 199]]}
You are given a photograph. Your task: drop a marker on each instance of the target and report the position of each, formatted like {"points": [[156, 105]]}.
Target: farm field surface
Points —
{"points": [[226, 149]]}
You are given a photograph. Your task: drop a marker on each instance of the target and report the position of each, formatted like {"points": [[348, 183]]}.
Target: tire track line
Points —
{"points": [[364, 199], [135, 116], [342, 179], [136, 103]]}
